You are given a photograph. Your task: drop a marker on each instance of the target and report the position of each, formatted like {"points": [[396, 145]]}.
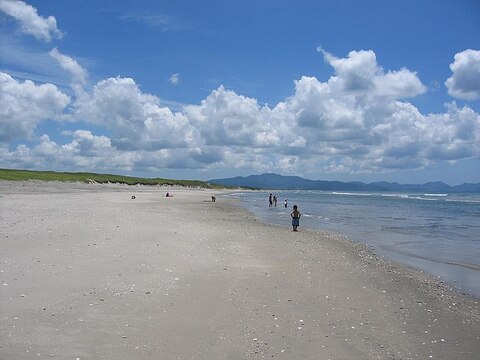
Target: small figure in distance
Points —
{"points": [[270, 201], [168, 195], [286, 203], [214, 198], [295, 214], [275, 200]]}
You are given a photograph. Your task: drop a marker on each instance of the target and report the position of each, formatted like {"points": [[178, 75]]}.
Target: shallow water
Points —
{"points": [[436, 233]]}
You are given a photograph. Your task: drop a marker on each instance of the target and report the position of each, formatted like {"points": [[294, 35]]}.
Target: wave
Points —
{"points": [[403, 196], [421, 197], [472, 201]]}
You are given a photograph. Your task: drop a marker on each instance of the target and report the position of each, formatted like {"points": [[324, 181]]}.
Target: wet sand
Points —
{"points": [[87, 272]]}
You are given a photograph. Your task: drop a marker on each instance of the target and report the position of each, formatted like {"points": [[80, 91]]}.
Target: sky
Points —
{"points": [[343, 90]]}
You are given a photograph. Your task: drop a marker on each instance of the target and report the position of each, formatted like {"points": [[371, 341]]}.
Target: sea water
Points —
{"points": [[436, 233]]}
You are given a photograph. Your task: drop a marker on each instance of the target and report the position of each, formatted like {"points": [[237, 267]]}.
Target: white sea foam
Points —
{"points": [[351, 194]]}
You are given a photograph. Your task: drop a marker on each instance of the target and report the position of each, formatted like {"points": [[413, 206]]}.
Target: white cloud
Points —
{"points": [[23, 105], [324, 112], [30, 22], [85, 151], [96, 153], [356, 121], [356, 73], [399, 84], [135, 119], [360, 73], [87, 144], [70, 65], [227, 119], [465, 80], [174, 79], [453, 135]]}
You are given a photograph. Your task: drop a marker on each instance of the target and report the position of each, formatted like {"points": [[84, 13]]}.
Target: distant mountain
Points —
{"points": [[280, 182]]}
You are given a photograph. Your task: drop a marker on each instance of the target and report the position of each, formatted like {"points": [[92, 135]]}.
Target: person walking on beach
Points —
{"points": [[286, 203], [270, 201], [295, 214]]}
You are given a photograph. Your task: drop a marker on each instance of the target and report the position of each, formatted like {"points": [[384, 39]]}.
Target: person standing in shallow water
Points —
{"points": [[295, 214], [270, 201]]}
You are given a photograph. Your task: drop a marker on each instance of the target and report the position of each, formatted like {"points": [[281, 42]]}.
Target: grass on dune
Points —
{"points": [[23, 175]]}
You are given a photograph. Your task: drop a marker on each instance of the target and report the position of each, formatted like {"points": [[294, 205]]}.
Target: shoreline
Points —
{"points": [[92, 273], [454, 271]]}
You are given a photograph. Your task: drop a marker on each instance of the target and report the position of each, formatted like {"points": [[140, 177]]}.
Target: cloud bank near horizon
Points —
{"points": [[357, 121]]}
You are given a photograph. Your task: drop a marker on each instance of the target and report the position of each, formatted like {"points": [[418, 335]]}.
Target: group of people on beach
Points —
{"points": [[295, 214]]}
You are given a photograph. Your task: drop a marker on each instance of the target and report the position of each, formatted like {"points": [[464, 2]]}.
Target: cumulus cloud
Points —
{"points": [[225, 118], [356, 121], [29, 20], [85, 151], [465, 80], [135, 119], [24, 104], [360, 73], [453, 135], [97, 153]]}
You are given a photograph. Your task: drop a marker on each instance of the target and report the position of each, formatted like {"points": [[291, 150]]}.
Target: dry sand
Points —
{"points": [[87, 272]]}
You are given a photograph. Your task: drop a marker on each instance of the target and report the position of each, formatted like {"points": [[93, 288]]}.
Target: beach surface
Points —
{"points": [[88, 272]]}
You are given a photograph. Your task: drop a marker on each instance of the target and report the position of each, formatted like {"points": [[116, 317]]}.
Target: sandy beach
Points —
{"points": [[87, 272]]}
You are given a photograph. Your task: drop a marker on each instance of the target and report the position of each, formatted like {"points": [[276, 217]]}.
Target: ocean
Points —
{"points": [[435, 233]]}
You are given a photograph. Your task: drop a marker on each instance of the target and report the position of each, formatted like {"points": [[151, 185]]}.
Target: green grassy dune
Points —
{"points": [[22, 175]]}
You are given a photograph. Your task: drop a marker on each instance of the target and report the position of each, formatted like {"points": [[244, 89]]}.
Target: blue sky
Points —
{"points": [[334, 90]]}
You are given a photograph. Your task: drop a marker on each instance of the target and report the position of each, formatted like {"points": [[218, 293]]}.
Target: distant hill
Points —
{"points": [[280, 182]]}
